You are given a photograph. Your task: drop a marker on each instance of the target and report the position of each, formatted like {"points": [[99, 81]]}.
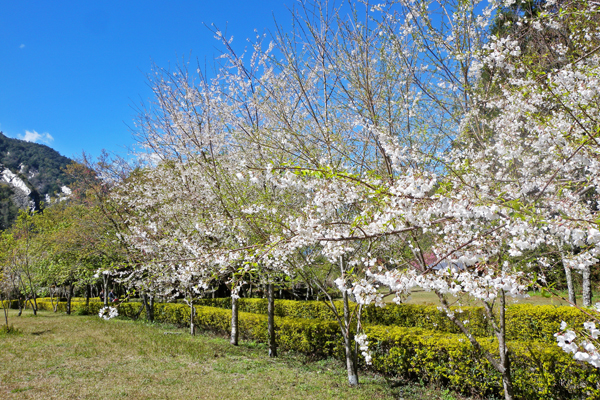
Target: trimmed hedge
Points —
{"points": [[524, 321], [539, 370]]}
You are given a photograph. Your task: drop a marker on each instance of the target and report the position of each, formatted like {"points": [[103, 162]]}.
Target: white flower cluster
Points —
{"points": [[483, 285], [363, 346], [108, 313], [583, 349], [363, 291]]}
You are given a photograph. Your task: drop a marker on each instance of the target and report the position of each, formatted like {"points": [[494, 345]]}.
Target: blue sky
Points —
{"points": [[70, 71]]}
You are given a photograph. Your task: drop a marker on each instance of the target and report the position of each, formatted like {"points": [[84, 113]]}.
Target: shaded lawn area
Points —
{"points": [[84, 357]]}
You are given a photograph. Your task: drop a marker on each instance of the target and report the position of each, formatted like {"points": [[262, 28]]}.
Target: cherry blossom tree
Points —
{"points": [[402, 145]]}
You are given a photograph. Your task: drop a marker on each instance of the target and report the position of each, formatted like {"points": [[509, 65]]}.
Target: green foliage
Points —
{"points": [[82, 310], [539, 371], [283, 308], [524, 322], [8, 209], [314, 337]]}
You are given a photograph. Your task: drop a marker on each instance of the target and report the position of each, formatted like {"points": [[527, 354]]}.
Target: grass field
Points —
{"points": [[429, 298], [83, 357]]}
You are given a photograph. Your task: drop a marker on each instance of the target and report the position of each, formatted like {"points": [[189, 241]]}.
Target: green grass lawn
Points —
{"points": [[83, 357], [420, 296]]}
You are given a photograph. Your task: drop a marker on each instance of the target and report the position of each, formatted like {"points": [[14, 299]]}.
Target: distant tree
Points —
{"points": [[8, 210]]}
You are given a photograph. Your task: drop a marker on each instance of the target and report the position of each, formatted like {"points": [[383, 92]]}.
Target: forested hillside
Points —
{"points": [[28, 172]]}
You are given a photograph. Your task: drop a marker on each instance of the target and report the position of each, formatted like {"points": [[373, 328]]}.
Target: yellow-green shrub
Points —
{"points": [[315, 337], [539, 371], [283, 308], [524, 321]]}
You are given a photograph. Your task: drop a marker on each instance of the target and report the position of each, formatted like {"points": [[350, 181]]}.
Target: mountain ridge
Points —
{"points": [[29, 173]]}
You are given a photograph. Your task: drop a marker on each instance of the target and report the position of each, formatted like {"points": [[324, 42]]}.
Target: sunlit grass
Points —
{"points": [[423, 297], [61, 357]]}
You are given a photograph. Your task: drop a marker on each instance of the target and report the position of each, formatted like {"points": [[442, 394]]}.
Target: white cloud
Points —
{"points": [[33, 136], [22, 46]]}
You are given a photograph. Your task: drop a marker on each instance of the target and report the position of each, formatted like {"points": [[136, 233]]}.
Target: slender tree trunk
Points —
{"points": [[88, 294], [69, 297], [105, 284], [192, 318], [33, 299], [569, 276], [271, 318], [351, 366], [149, 305], [502, 365], [31, 289], [350, 354], [234, 321], [5, 308], [54, 306], [20, 306], [570, 288], [152, 308], [33, 302], [504, 353], [586, 287]]}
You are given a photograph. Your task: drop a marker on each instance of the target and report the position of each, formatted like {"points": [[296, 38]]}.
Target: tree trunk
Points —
{"points": [[504, 354], [569, 276], [271, 318], [149, 304], [570, 289], [20, 306], [105, 288], [192, 318], [5, 307], [152, 308], [351, 366], [88, 294], [54, 306], [69, 297], [33, 302], [586, 287], [502, 365], [234, 321]]}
